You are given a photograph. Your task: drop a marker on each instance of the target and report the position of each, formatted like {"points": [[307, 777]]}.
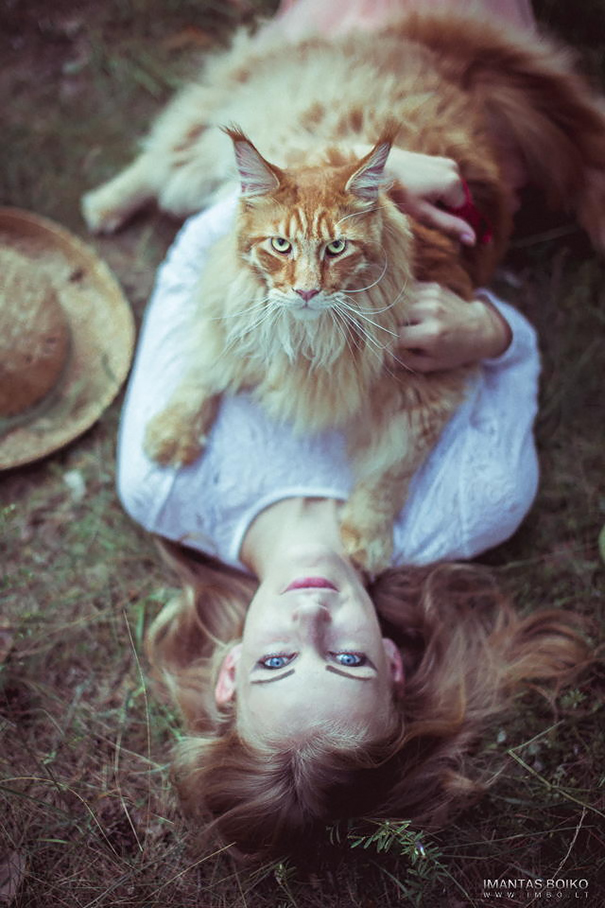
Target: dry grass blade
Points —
{"points": [[87, 815]]}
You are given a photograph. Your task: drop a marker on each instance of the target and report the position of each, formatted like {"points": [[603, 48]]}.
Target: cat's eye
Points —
{"points": [[280, 244], [336, 247]]}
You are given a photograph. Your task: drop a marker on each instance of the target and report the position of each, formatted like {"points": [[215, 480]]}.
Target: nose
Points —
{"points": [[311, 616], [306, 294]]}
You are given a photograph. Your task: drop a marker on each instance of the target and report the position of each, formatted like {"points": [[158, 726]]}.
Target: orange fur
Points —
{"points": [[324, 353], [536, 104], [435, 84]]}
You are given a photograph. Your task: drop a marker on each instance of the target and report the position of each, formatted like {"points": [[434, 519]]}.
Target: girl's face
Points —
{"points": [[312, 654]]}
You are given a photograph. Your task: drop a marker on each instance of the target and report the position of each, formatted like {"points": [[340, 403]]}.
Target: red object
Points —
{"points": [[471, 214]]}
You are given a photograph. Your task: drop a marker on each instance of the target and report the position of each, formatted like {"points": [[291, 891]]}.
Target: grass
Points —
{"points": [[87, 816]]}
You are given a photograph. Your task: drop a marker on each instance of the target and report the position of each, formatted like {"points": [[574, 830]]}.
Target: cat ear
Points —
{"points": [[257, 176], [367, 180]]}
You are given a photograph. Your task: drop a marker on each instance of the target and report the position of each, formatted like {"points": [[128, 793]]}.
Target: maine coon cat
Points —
{"points": [[302, 304], [303, 301]]}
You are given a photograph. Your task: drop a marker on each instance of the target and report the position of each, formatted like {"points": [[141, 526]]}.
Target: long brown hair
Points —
{"points": [[466, 653]]}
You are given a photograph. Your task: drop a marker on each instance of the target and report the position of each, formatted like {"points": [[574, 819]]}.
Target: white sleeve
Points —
{"points": [[481, 479], [143, 486]]}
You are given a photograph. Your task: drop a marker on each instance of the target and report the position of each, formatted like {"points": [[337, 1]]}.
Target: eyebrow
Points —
{"points": [[329, 668]]}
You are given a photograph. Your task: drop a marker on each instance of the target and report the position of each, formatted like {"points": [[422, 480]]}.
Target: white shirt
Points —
{"points": [[471, 494]]}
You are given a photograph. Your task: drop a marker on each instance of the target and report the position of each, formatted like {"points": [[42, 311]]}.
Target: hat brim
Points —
{"points": [[102, 335]]}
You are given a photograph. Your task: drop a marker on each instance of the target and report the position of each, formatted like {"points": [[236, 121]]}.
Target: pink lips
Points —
{"points": [[305, 583]]}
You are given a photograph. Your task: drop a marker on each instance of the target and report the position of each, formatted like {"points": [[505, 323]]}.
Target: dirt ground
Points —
{"points": [[87, 816]]}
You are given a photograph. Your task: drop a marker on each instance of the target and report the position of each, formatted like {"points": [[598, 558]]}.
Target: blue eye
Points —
{"points": [[353, 659], [276, 661]]}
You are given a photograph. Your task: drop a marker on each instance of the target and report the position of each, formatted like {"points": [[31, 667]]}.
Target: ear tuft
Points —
{"points": [[368, 179], [258, 177]]}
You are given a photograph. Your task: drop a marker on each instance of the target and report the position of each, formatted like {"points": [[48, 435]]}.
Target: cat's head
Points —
{"points": [[322, 238]]}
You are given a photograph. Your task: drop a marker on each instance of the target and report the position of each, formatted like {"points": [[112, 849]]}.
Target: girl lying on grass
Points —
{"points": [[310, 694]]}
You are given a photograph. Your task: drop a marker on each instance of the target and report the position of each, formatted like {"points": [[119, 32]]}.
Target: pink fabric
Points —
{"points": [[296, 18]]}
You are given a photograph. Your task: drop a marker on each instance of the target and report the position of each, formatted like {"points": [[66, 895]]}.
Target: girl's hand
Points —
{"points": [[445, 331], [425, 182]]}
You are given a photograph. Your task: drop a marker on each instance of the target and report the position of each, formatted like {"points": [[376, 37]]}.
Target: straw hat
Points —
{"points": [[66, 337]]}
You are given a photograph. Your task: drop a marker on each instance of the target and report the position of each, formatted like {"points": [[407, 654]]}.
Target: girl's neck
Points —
{"points": [[288, 525]]}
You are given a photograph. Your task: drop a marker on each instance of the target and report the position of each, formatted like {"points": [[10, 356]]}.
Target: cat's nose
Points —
{"points": [[306, 294]]}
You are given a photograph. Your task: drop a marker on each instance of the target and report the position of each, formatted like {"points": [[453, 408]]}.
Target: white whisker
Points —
{"points": [[251, 308], [361, 314], [356, 214], [238, 335], [372, 342], [400, 362], [370, 310], [341, 330], [377, 348], [377, 281], [384, 308], [343, 327]]}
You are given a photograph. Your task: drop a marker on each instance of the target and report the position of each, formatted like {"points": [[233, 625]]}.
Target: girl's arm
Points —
{"points": [[445, 331], [426, 185]]}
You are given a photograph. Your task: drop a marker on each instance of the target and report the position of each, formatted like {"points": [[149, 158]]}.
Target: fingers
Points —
{"points": [[430, 214], [417, 343], [430, 340], [428, 185], [443, 331], [429, 300], [452, 191]]}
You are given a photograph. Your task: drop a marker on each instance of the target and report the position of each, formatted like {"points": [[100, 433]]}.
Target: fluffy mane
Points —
{"points": [[337, 355]]}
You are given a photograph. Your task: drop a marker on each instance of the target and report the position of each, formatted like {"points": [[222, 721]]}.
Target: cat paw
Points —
{"points": [[370, 549], [97, 218], [100, 215], [171, 443]]}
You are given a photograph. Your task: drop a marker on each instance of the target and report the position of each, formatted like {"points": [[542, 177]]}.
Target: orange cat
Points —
{"points": [[302, 302]]}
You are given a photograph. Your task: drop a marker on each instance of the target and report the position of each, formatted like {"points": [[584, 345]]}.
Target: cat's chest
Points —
{"points": [[314, 399]]}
